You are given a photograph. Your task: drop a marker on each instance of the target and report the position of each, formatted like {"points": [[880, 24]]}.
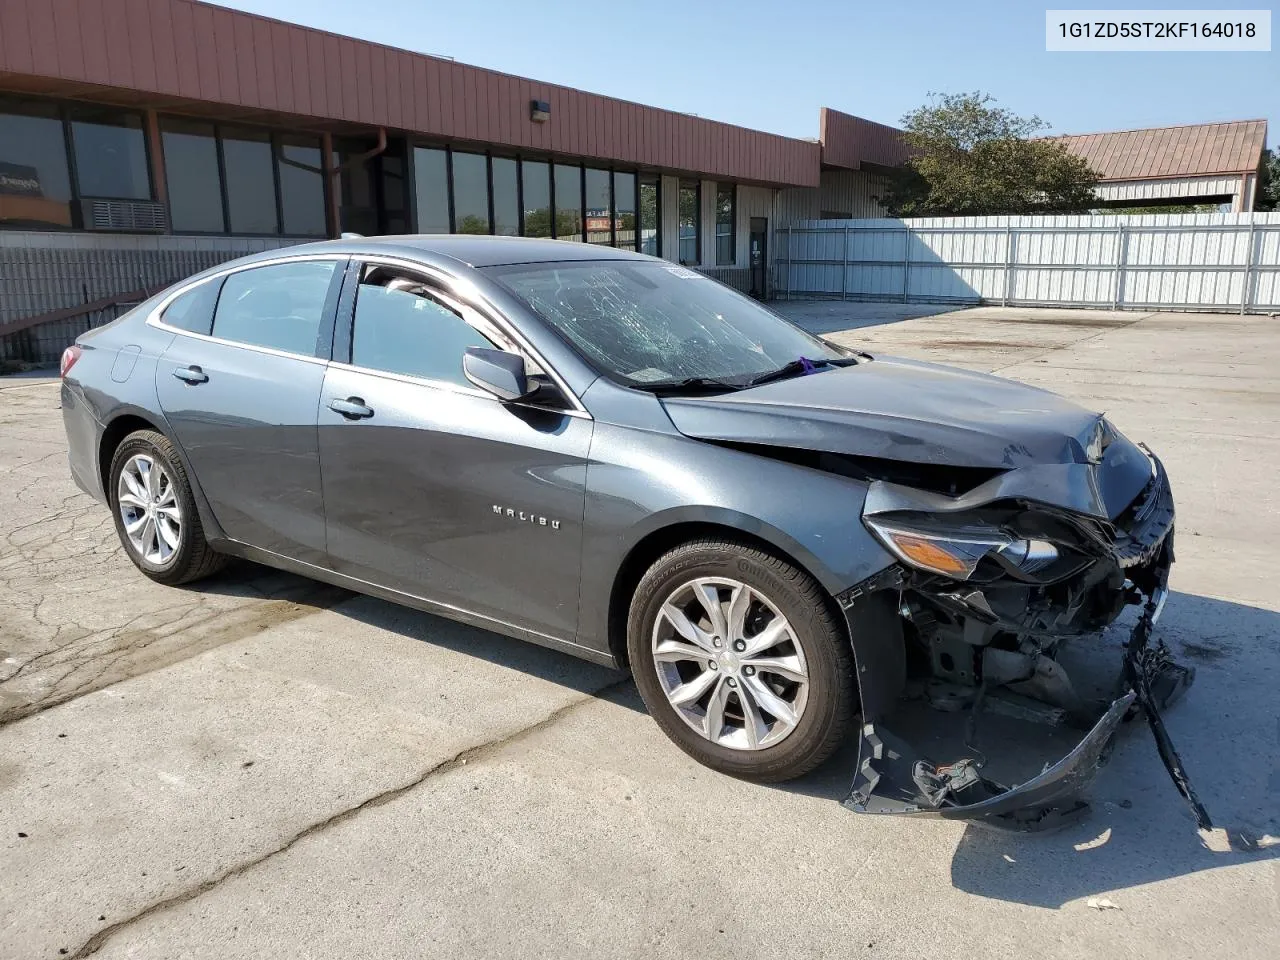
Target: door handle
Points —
{"points": [[353, 408], [191, 375]]}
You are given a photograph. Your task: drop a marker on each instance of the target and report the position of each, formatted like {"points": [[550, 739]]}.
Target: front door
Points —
{"points": [[758, 247], [242, 402], [435, 488]]}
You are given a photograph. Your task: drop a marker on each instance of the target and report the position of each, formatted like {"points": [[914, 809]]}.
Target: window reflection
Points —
{"points": [[191, 175], [649, 216], [690, 203], [568, 202], [111, 153], [470, 193], [301, 185], [506, 200], [598, 214], [431, 179], [726, 213], [35, 188], [251, 189], [624, 206], [536, 183]]}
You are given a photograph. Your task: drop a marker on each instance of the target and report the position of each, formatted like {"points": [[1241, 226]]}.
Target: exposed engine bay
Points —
{"points": [[973, 619]]}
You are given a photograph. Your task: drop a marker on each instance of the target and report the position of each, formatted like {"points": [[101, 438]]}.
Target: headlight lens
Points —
{"points": [[957, 553]]}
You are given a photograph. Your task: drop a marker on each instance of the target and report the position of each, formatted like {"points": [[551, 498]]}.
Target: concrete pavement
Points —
{"points": [[264, 766]]}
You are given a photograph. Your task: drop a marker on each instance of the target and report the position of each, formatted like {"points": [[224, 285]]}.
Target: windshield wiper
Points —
{"points": [[802, 365], [689, 385]]}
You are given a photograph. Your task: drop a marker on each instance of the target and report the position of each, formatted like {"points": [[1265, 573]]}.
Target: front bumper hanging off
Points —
{"points": [[891, 778]]}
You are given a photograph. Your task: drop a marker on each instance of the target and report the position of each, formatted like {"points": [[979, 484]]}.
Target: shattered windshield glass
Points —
{"points": [[649, 323]]}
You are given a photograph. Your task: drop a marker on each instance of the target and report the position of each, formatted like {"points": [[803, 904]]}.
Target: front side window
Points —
{"points": [[401, 327], [111, 153], [193, 311], [280, 306], [35, 187], [649, 323], [726, 211], [690, 218]]}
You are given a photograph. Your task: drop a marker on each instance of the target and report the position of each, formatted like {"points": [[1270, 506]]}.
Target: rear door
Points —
{"points": [[240, 390], [435, 488]]}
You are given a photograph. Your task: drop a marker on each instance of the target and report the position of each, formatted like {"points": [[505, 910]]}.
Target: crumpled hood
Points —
{"points": [[898, 409]]}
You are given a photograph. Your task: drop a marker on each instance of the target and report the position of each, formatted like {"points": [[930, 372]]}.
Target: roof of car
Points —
{"points": [[475, 251]]}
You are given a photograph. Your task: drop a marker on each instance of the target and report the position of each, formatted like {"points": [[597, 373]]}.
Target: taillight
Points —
{"points": [[69, 358]]}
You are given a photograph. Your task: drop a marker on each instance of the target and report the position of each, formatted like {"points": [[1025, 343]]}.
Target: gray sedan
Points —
{"points": [[617, 457]]}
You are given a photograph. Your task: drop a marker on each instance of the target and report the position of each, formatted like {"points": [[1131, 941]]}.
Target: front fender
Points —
{"points": [[640, 483]]}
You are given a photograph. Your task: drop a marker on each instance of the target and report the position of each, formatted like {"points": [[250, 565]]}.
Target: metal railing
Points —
{"points": [[1102, 262]]}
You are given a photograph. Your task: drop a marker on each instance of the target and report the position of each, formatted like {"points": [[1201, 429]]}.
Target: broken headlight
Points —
{"points": [[957, 550]]}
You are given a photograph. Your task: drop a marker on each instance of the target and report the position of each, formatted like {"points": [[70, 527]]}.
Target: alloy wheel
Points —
{"points": [[149, 508], [730, 663]]}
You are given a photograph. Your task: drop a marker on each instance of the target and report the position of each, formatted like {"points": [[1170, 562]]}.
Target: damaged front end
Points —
{"points": [[987, 588]]}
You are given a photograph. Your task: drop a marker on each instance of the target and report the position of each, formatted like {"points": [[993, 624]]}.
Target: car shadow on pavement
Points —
{"points": [[1227, 731]]}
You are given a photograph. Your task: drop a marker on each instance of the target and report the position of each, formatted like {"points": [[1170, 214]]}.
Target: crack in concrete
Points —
{"points": [[467, 755]]}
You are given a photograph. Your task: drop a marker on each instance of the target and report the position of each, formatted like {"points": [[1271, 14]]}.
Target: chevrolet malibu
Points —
{"points": [[620, 458]]}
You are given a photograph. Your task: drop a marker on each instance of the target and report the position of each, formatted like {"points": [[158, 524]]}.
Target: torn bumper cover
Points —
{"points": [[893, 778]]}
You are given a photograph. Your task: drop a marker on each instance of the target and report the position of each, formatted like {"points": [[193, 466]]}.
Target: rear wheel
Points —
{"points": [[741, 660], [155, 512]]}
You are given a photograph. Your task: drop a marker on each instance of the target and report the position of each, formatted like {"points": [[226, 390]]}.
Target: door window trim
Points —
{"points": [[154, 318]]}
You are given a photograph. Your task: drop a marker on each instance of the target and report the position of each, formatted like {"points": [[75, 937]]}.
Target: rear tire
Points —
{"points": [[155, 512], [782, 648]]}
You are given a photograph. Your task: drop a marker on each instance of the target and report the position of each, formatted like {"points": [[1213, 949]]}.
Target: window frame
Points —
{"points": [[325, 334]]}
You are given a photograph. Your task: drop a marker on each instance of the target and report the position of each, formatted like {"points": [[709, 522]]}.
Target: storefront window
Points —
{"points": [[431, 178], [301, 185], [568, 202], [649, 216], [251, 188], [506, 198], [111, 153], [726, 212], [470, 193], [191, 173], [690, 210], [35, 188], [599, 210], [624, 207], [536, 183]]}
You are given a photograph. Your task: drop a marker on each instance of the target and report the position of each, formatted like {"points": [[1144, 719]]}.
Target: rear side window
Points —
{"points": [[401, 328], [281, 306], [193, 310]]}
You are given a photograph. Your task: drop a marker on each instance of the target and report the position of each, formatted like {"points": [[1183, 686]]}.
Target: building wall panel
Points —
{"points": [[178, 49]]}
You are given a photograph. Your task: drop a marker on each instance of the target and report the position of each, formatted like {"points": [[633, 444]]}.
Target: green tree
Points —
{"points": [[972, 158], [1268, 197]]}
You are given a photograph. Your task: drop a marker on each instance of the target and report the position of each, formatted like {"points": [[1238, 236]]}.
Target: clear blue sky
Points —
{"points": [[771, 65]]}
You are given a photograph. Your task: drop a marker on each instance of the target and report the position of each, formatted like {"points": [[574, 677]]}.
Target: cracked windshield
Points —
{"points": [[654, 323]]}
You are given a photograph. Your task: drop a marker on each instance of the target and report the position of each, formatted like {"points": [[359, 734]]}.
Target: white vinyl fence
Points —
{"points": [[1219, 262]]}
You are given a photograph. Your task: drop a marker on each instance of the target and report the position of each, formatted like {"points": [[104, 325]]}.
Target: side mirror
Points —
{"points": [[497, 372]]}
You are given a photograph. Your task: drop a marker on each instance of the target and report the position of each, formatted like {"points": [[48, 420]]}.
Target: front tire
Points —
{"points": [[740, 658], [155, 511]]}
